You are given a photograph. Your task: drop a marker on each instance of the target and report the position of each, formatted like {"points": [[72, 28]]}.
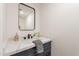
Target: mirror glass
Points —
{"points": [[26, 17]]}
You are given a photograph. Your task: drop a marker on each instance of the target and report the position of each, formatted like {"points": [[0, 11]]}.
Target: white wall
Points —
{"points": [[61, 22], [11, 21], [1, 28]]}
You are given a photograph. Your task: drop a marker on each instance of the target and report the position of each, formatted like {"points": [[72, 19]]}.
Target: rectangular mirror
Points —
{"points": [[26, 17]]}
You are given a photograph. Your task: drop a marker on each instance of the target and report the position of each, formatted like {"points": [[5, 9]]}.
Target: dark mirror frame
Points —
{"points": [[18, 18]]}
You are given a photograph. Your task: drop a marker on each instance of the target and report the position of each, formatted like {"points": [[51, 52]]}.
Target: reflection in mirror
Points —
{"points": [[26, 17]]}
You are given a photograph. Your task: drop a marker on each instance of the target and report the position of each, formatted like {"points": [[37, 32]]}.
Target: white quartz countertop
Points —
{"points": [[13, 47]]}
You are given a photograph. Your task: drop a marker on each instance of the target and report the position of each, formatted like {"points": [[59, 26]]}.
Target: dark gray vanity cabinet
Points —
{"points": [[32, 51]]}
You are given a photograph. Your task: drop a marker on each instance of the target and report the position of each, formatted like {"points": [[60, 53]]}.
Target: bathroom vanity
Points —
{"points": [[32, 51], [28, 48]]}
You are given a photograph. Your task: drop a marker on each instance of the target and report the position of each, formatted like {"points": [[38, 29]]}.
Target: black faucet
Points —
{"points": [[29, 36]]}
